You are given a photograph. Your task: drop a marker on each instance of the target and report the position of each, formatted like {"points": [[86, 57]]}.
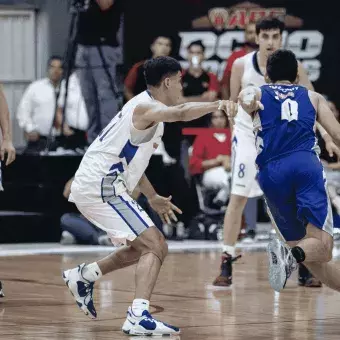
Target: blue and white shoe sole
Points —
{"points": [[73, 288], [130, 329]]}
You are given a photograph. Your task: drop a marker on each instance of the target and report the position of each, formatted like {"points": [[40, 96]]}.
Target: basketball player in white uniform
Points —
{"points": [[111, 169], [6, 145], [249, 70]]}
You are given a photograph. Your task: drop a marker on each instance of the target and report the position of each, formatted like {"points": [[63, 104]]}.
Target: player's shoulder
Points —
{"points": [[146, 104], [314, 95], [246, 57], [239, 64]]}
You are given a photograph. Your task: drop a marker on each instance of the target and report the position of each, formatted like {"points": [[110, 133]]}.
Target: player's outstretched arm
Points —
{"points": [[146, 114], [326, 118], [249, 99], [5, 122]]}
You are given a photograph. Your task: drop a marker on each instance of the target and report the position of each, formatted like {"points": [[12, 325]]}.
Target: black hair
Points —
{"points": [[161, 35], [269, 24], [282, 65], [156, 69], [54, 57], [196, 43]]}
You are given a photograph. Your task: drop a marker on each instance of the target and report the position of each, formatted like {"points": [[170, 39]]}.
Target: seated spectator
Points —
{"points": [[76, 119], [36, 111], [76, 229], [198, 84], [211, 157], [134, 81]]}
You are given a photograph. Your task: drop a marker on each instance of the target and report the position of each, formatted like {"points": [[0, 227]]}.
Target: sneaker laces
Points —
{"points": [[88, 287], [290, 261], [89, 291]]}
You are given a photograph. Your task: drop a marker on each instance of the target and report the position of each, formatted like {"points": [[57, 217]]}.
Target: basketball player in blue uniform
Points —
{"points": [[290, 172], [6, 145]]}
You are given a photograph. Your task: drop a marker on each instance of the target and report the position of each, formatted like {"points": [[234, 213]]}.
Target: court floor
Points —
{"points": [[38, 305]]}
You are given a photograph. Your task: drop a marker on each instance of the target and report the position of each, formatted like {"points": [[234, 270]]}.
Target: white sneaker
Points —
{"points": [[67, 238], [81, 289], [146, 325], [281, 264]]}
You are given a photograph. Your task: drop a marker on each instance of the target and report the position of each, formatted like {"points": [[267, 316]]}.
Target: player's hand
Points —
{"points": [[164, 208], [249, 103], [229, 107], [7, 148], [332, 148]]}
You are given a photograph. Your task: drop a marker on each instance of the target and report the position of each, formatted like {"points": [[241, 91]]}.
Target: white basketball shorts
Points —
{"points": [[244, 171], [122, 218]]}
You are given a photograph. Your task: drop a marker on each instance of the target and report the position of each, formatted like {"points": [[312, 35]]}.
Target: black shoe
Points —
{"points": [[1, 291], [249, 236], [225, 279], [306, 278]]}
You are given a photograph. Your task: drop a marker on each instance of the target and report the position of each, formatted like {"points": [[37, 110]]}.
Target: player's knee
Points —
{"points": [[161, 248], [328, 248], [328, 253], [158, 248], [153, 241]]}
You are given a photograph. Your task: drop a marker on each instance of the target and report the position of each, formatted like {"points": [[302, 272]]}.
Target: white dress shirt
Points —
{"points": [[37, 107], [76, 113]]}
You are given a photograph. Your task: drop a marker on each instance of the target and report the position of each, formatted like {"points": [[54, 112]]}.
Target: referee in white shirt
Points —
{"points": [[36, 111]]}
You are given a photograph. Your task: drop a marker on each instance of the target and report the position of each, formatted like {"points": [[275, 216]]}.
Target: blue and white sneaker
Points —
{"points": [[81, 289], [147, 325], [281, 264]]}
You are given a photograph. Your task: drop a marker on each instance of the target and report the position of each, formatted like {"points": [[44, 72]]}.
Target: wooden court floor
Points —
{"points": [[38, 305]]}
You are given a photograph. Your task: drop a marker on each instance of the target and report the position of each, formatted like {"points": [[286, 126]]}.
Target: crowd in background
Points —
{"points": [[196, 164]]}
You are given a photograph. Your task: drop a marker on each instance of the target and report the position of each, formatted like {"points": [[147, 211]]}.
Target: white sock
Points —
{"points": [[92, 272], [139, 306], [229, 249]]}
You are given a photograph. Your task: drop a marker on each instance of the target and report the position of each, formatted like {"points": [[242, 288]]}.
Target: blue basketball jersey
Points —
{"points": [[286, 124]]}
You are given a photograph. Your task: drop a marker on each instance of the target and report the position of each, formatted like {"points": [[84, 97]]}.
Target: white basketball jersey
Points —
{"points": [[118, 157], [251, 76]]}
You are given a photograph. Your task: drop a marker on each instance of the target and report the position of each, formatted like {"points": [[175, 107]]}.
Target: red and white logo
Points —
{"points": [[222, 18]]}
